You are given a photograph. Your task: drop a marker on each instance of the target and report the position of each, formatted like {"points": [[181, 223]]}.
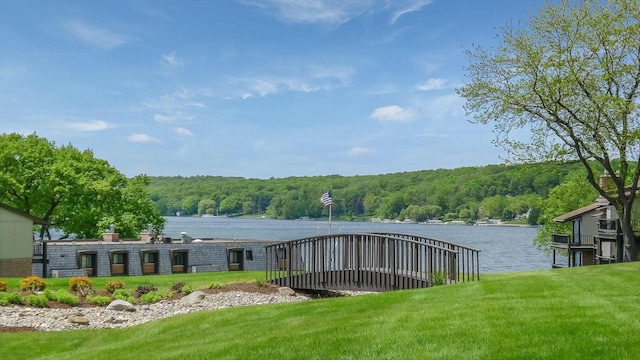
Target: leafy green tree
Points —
{"points": [[571, 80], [493, 207], [206, 206], [190, 205], [71, 189]]}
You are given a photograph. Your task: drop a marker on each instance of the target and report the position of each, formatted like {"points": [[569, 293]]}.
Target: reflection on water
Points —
{"points": [[502, 248]]}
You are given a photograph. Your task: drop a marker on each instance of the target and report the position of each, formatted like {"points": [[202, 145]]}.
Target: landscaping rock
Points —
{"points": [[192, 299], [121, 305], [78, 320], [287, 291]]}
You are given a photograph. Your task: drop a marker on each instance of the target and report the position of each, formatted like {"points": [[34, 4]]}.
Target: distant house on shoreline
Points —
{"points": [[595, 236]]}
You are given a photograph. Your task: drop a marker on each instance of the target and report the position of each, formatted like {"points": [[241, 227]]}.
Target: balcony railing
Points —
{"points": [[573, 240], [608, 225]]}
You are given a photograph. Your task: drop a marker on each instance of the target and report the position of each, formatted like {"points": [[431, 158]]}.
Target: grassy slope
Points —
{"points": [[579, 313]]}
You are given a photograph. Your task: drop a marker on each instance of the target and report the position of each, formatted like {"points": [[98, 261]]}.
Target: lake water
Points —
{"points": [[502, 248]]}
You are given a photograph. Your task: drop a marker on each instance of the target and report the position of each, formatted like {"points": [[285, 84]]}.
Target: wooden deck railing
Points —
{"points": [[372, 262], [582, 240]]}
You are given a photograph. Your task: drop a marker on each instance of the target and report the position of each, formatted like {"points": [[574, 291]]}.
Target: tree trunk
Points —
{"points": [[630, 252]]}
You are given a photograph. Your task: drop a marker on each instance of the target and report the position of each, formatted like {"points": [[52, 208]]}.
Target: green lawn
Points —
{"points": [[162, 282], [579, 313]]}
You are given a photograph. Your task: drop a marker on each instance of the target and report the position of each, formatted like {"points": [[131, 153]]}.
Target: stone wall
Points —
{"points": [[18, 268], [64, 256]]}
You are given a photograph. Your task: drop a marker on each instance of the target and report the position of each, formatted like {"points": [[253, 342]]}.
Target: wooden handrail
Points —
{"points": [[369, 261]]}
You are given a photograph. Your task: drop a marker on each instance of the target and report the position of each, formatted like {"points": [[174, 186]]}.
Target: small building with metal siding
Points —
{"points": [[16, 241], [135, 257]]}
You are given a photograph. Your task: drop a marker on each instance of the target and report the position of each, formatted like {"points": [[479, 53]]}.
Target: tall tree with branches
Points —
{"points": [[564, 87]]}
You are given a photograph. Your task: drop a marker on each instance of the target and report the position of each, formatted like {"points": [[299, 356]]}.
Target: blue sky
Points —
{"points": [[250, 88]]}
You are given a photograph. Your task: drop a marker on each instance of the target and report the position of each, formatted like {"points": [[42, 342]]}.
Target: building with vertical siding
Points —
{"points": [[16, 242]]}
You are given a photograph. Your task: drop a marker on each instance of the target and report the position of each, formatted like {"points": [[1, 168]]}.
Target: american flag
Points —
{"points": [[326, 198]]}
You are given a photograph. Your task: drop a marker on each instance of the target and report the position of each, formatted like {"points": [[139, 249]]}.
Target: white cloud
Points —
{"points": [[333, 12], [91, 125], [142, 138], [411, 6], [171, 60], [432, 84], [182, 131], [393, 113], [307, 79], [95, 36], [175, 102], [358, 150], [163, 118]]}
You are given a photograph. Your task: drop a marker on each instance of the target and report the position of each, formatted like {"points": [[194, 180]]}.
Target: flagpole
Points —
{"points": [[330, 206]]}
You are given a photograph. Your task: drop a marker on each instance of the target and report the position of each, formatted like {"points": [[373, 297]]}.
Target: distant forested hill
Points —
{"points": [[469, 193]]}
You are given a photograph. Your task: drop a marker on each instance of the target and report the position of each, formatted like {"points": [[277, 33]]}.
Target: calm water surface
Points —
{"points": [[502, 248]]}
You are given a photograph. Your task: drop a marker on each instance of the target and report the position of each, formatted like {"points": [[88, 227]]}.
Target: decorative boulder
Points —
{"points": [[287, 291], [78, 319], [121, 305], [192, 299]]}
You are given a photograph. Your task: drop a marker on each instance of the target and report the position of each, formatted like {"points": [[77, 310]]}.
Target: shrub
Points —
{"points": [[144, 289], [261, 283], [186, 290], [98, 300], [3, 286], [32, 284], [50, 295], [80, 284], [112, 286], [14, 297], [122, 294], [65, 297], [216, 286], [177, 287], [155, 296], [37, 301], [4, 298]]}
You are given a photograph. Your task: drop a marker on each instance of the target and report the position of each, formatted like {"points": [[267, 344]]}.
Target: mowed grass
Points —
{"points": [[579, 313], [162, 282]]}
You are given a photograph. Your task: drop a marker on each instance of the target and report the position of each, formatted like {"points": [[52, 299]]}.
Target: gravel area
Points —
{"points": [[24, 318]]}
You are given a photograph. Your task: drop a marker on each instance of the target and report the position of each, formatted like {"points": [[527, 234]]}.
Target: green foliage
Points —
{"points": [[439, 278], [80, 284], [155, 296], [186, 290], [99, 300], [419, 195], [12, 297], [50, 294], [549, 78], [216, 286], [32, 284], [114, 285], [122, 294], [72, 189], [37, 301], [3, 286], [63, 296]]}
